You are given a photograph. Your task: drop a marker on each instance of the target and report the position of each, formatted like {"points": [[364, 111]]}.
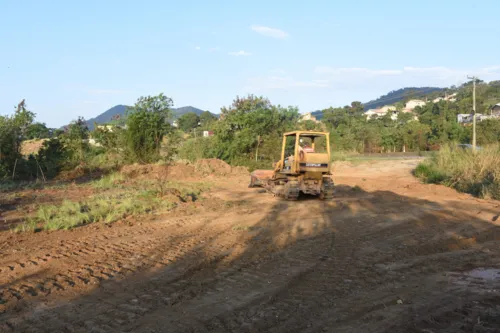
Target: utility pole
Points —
{"points": [[474, 112]]}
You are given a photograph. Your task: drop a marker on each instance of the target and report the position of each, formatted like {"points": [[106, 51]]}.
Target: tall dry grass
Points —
{"points": [[467, 171]]}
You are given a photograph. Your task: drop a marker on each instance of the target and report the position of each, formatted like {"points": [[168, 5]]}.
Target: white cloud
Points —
{"points": [[402, 77], [368, 82], [239, 53], [197, 48], [333, 86], [269, 32]]}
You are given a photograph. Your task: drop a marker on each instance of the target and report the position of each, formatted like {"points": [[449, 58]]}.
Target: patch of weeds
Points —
{"points": [[109, 181], [34, 186], [467, 171], [68, 215], [430, 173], [192, 190], [147, 194], [356, 188], [187, 191], [30, 225], [105, 209], [243, 228], [8, 185], [136, 199]]}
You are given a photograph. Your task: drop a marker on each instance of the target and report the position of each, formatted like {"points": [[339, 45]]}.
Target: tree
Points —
{"points": [[237, 133], [404, 117], [188, 121], [207, 119], [109, 138], [23, 118], [12, 133], [414, 136], [147, 125], [75, 139], [38, 131], [356, 108]]}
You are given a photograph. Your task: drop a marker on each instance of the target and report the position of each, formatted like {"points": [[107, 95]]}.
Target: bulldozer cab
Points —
{"points": [[304, 167], [305, 151]]}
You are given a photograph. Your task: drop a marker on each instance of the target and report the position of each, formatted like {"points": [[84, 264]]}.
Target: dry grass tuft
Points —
{"points": [[477, 173]]}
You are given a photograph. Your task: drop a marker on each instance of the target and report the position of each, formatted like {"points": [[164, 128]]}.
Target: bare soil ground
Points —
{"points": [[388, 254]]}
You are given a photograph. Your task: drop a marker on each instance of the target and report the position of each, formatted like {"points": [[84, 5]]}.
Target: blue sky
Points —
{"points": [[79, 58]]}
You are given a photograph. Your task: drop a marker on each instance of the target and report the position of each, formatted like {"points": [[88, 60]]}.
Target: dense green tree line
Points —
{"points": [[248, 132]]}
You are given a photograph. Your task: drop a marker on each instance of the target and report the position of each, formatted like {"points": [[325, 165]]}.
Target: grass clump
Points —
{"points": [[108, 181], [30, 225], [477, 173], [72, 214]]}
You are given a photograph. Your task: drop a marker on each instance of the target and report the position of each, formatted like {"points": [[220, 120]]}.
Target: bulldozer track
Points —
{"points": [[283, 311], [118, 258], [292, 190]]}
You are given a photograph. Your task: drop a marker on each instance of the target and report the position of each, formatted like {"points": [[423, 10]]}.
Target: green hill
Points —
{"points": [[401, 95], [117, 114]]}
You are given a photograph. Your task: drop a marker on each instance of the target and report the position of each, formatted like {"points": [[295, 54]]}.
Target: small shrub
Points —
{"points": [[430, 173], [195, 149]]}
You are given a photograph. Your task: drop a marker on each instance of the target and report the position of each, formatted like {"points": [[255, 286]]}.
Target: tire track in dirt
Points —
{"points": [[189, 288], [194, 249], [93, 261], [304, 293], [345, 275], [253, 286]]}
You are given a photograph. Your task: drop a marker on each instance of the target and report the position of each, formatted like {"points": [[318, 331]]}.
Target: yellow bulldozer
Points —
{"points": [[304, 167]]}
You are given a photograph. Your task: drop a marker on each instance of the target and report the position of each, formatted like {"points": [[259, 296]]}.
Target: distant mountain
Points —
{"points": [[107, 116], [118, 111], [392, 97], [403, 94], [186, 109], [318, 114]]}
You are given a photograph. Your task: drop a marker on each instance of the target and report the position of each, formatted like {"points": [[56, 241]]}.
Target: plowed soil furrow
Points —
{"points": [[387, 254], [122, 257]]}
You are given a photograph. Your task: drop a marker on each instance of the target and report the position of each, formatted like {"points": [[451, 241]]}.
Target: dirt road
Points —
{"points": [[388, 254]]}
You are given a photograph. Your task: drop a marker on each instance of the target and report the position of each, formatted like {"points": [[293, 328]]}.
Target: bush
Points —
{"points": [[477, 173], [430, 173], [196, 149]]}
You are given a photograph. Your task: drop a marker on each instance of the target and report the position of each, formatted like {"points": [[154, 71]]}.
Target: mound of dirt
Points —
{"points": [[182, 171], [172, 172], [136, 170], [73, 174], [240, 170], [204, 167], [212, 166], [29, 147]]}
